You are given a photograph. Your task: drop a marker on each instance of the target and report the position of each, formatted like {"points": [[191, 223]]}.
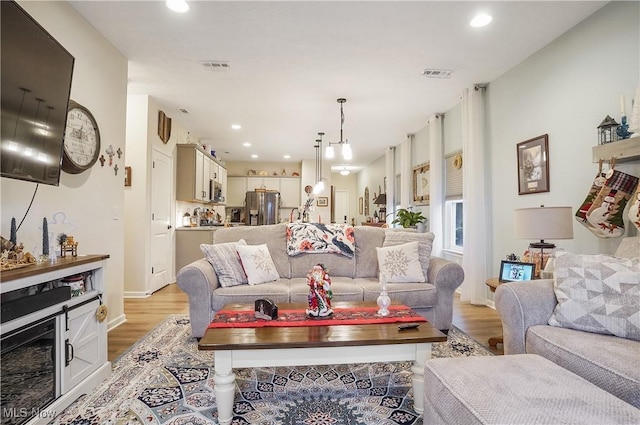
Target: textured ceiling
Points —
{"points": [[290, 61]]}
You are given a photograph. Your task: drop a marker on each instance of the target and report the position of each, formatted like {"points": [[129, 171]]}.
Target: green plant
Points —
{"points": [[407, 218]]}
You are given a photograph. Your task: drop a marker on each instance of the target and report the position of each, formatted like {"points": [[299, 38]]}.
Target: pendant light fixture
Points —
{"points": [[319, 186], [346, 147]]}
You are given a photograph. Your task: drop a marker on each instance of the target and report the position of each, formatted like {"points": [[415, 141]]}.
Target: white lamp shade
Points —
{"points": [[346, 151], [544, 223], [329, 153]]}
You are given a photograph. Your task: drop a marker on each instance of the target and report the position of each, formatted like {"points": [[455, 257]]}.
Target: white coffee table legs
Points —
{"points": [[226, 360], [224, 386], [423, 353]]}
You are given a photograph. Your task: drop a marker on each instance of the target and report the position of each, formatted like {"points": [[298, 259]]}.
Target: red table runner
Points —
{"points": [[341, 316]]}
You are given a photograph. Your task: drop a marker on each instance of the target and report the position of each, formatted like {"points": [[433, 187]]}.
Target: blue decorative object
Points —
{"points": [[623, 129]]}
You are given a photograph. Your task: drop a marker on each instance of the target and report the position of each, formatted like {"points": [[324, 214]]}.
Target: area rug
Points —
{"points": [[165, 379]]}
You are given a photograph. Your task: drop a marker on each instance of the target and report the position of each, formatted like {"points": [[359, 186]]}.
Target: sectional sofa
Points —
{"points": [[354, 278]]}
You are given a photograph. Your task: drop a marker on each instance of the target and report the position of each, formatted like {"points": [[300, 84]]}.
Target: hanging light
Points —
{"points": [[319, 186], [346, 147]]}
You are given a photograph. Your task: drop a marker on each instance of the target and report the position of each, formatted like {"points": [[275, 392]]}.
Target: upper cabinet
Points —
{"points": [[289, 188], [198, 178]]}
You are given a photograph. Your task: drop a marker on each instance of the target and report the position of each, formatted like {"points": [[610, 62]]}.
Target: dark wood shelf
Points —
{"points": [[40, 268]]}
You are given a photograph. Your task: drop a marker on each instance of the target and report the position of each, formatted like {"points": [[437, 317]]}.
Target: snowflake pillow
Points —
{"points": [[400, 263], [257, 264]]}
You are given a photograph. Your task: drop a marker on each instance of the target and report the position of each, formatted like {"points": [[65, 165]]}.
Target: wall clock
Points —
{"points": [[81, 140]]}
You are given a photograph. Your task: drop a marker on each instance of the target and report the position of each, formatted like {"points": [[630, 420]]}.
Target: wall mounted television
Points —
{"points": [[36, 84]]}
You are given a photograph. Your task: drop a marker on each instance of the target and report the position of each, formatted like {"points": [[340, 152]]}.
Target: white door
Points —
{"points": [[342, 206], [161, 228]]}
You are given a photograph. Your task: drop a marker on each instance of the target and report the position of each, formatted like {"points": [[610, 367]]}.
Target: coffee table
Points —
{"points": [[314, 345]]}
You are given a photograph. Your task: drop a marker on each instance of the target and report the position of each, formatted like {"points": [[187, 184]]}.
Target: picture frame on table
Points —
{"points": [[322, 201], [533, 165]]}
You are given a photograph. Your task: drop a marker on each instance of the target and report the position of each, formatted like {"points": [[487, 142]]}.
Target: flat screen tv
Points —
{"points": [[36, 83]]}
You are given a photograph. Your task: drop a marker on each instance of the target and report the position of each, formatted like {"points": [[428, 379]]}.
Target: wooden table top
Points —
{"points": [[315, 336]]}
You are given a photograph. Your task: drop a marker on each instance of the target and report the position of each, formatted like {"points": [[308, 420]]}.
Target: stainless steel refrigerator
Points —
{"points": [[262, 208]]}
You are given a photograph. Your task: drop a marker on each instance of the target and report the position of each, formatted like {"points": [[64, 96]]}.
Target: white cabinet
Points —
{"points": [[236, 191], [193, 174], [289, 192], [222, 179]]}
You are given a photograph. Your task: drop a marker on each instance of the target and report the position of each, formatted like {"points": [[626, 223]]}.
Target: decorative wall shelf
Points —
{"points": [[622, 150]]}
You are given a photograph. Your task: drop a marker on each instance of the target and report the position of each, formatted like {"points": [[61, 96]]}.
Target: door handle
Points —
{"points": [[69, 354], [169, 226]]}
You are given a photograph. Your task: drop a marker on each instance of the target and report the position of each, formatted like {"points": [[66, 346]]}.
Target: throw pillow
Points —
{"points": [[400, 263], [598, 293], [226, 262], [257, 264], [425, 240]]}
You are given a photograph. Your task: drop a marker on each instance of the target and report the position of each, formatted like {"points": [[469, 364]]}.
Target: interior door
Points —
{"points": [[342, 206], [161, 228]]}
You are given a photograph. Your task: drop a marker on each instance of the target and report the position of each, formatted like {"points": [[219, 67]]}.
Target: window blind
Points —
{"points": [[453, 175]]}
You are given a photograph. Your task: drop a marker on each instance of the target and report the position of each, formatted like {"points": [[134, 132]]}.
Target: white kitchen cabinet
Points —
{"points": [[222, 179], [193, 174], [289, 192], [236, 191]]}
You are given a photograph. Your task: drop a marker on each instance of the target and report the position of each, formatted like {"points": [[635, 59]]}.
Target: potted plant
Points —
{"points": [[407, 218]]}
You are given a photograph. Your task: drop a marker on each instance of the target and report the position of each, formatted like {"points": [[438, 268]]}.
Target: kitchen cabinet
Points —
{"points": [[222, 178], [289, 192], [236, 191], [193, 174], [289, 188]]}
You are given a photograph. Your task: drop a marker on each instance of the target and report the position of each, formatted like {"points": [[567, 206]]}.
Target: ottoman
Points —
{"points": [[516, 389]]}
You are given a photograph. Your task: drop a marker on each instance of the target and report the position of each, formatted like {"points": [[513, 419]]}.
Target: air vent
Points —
{"points": [[216, 65], [184, 111], [437, 73]]}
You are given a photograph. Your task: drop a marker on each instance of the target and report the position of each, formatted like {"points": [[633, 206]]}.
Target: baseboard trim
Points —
{"points": [[136, 294], [112, 324]]}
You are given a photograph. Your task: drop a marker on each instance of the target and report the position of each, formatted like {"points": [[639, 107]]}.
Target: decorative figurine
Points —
{"points": [[319, 292]]}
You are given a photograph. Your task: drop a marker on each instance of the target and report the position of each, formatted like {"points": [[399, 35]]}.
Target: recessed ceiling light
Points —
{"points": [[287, 156], [236, 126], [345, 172], [246, 144], [254, 156], [481, 20], [179, 6]]}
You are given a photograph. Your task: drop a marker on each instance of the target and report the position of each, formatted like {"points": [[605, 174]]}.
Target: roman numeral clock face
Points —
{"points": [[81, 140]]}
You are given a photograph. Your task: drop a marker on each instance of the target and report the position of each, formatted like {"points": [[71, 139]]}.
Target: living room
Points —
{"points": [[564, 90]]}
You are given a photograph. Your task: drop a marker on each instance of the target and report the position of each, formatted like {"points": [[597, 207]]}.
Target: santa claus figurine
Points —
{"points": [[319, 292]]}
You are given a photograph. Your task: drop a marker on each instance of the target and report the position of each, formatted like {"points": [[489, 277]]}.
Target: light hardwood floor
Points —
{"points": [[479, 322]]}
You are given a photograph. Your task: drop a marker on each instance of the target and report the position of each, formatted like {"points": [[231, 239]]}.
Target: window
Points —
{"points": [[454, 237]]}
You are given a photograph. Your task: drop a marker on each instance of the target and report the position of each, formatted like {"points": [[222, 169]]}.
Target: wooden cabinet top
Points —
{"points": [[40, 268]]}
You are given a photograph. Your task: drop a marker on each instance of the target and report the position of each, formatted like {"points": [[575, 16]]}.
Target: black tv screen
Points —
{"points": [[36, 83]]}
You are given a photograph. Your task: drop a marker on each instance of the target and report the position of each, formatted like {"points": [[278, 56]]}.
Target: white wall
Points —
{"points": [[564, 90], [93, 201], [371, 177]]}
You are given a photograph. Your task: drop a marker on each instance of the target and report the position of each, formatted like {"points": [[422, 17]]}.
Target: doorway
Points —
{"points": [[341, 206], [161, 241]]}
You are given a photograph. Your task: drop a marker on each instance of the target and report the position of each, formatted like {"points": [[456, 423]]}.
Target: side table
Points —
{"points": [[493, 283]]}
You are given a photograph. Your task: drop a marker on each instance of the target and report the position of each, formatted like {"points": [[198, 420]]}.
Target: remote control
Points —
{"points": [[404, 326]]}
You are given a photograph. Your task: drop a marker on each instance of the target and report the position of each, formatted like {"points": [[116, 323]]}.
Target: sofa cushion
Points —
{"points": [[274, 235], [598, 293], [400, 263], [338, 265], [367, 239], [225, 261], [607, 361], [397, 237], [343, 289], [257, 263], [277, 292]]}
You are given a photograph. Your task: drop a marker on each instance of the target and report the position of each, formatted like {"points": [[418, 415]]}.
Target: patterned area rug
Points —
{"points": [[165, 379]]}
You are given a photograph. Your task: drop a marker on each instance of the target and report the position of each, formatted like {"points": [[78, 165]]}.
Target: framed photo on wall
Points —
{"points": [[533, 165], [322, 201], [421, 184]]}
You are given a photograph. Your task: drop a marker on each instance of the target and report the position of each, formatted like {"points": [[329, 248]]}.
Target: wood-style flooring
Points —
{"points": [[143, 314]]}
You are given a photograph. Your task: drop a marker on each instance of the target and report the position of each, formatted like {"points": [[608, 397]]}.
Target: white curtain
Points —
{"points": [[406, 173], [476, 221], [389, 172], [437, 181]]}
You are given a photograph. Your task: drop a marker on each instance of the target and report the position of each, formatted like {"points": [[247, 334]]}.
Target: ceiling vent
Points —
{"points": [[184, 111], [216, 65], [437, 73]]}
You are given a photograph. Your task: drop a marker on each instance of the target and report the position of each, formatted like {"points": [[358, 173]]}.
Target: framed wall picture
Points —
{"points": [[533, 165], [322, 201], [127, 175], [361, 205], [421, 184]]}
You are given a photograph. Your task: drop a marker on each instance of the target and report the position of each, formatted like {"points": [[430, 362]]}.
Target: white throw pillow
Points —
{"points": [[400, 263], [598, 293], [226, 262], [257, 264], [397, 237]]}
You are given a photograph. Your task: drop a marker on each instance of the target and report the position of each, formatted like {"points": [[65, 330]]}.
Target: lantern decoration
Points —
{"points": [[607, 131]]}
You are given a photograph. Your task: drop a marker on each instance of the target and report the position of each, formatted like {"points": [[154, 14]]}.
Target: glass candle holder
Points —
{"points": [[383, 300]]}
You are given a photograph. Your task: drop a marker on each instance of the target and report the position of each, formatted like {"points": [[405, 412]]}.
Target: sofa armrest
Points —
{"points": [[198, 280], [522, 305], [446, 276]]}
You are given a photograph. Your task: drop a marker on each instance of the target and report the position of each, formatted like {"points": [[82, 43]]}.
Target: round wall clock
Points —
{"points": [[81, 140]]}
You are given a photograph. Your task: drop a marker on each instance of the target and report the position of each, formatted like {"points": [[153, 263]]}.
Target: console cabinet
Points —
{"points": [[81, 339]]}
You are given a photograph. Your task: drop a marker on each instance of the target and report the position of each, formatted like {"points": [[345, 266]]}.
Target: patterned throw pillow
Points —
{"points": [[598, 293], [397, 237], [400, 263], [257, 264], [226, 262], [320, 238]]}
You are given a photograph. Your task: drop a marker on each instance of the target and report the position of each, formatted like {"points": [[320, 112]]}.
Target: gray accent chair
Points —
{"points": [[610, 362], [353, 279]]}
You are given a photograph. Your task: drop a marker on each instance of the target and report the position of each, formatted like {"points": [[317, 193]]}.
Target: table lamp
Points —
{"points": [[542, 223], [381, 200]]}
